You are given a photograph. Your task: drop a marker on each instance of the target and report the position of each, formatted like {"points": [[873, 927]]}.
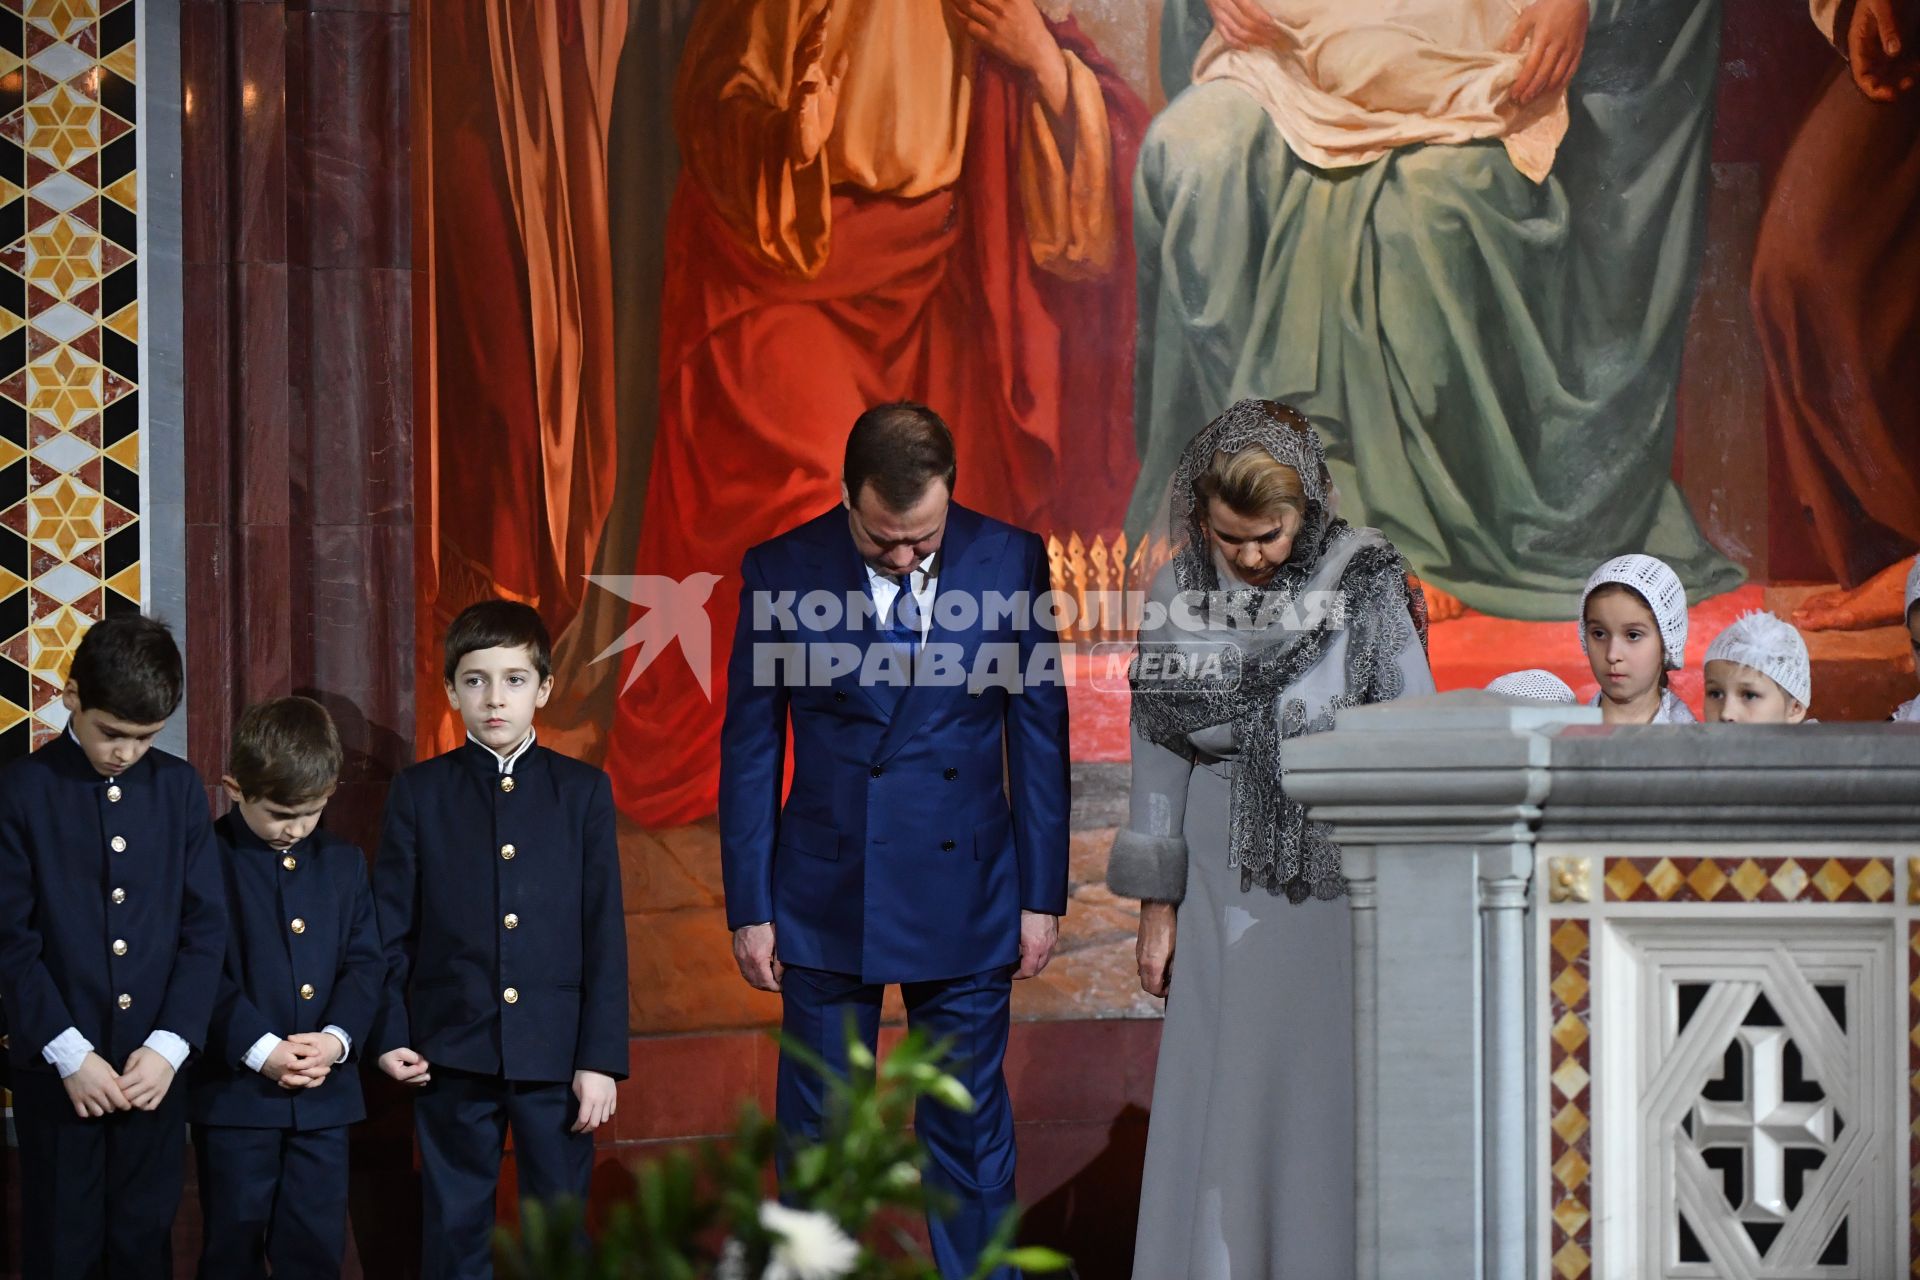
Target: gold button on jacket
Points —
{"points": [[306, 991], [119, 896], [113, 794], [512, 921], [506, 784], [510, 995], [119, 946], [289, 862], [298, 925], [126, 1001], [118, 844]]}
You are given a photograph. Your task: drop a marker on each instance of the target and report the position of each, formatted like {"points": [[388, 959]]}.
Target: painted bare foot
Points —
{"points": [[1441, 607], [1874, 603]]}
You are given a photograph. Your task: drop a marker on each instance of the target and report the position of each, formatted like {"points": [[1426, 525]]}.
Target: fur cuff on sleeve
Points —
{"points": [[1150, 868]]}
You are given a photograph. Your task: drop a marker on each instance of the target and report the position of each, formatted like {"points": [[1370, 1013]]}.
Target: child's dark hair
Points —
{"points": [[128, 667], [286, 751], [498, 624]]}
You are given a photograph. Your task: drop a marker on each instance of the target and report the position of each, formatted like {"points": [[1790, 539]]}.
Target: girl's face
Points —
{"points": [[1623, 645], [1254, 546], [1737, 694]]}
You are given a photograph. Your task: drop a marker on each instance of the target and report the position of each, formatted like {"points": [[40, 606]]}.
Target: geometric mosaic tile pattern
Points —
{"points": [[1570, 1105], [70, 500], [1748, 880]]}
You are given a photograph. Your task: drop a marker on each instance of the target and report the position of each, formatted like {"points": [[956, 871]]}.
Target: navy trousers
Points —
{"points": [[98, 1196], [462, 1121], [970, 1155], [274, 1196]]}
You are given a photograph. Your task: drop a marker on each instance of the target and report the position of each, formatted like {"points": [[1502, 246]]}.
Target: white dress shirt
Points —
{"points": [[885, 587]]}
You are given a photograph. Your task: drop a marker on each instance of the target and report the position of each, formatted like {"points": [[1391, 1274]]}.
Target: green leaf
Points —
{"points": [[1036, 1258]]}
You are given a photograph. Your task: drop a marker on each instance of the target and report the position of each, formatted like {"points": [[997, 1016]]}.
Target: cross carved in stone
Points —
{"points": [[1763, 1124]]}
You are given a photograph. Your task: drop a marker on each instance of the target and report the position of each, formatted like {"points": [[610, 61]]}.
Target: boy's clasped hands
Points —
{"points": [[96, 1088], [303, 1061]]}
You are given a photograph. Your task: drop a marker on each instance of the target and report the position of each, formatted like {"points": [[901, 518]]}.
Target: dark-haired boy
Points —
{"points": [[111, 934], [498, 888], [303, 976]]}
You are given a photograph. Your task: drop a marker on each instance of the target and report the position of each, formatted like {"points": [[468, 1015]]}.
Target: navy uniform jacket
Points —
{"points": [[111, 915], [920, 821], [303, 954], [499, 901]]}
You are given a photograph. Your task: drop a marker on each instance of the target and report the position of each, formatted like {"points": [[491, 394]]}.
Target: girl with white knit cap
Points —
{"points": [[1757, 672], [1633, 627], [1908, 712]]}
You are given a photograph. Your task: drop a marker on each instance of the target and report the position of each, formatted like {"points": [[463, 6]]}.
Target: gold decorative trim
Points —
{"points": [[1569, 879]]}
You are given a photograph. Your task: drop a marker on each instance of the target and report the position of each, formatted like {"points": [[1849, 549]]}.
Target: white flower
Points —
{"points": [[808, 1246], [733, 1261]]}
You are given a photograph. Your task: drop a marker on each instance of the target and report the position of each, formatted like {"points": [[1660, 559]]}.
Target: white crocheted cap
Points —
{"points": [[1771, 647], [1534, 685], [1913, 591], [1659, 586]]}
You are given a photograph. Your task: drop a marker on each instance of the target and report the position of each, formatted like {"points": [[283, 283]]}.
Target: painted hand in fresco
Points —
{"points": [[1875, 50], [1553, 33], [756, 952], [1014, 32], [814, 100], [1039, 934], [1244, 24], [1153, 949]]}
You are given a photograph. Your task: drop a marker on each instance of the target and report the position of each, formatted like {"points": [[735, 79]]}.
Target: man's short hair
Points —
{"points": [[899, 449], [286, 751], [128, 667], [498, 624]]}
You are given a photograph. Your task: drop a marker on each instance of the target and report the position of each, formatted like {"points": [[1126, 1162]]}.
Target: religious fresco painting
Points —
{"points": [[1555, 281]]}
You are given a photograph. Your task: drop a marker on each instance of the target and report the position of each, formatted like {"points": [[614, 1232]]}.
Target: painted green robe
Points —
{"points": [[1491, 362]]}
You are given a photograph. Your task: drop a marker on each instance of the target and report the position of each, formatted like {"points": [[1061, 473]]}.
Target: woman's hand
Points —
{"points": [[814, 100], [1554, 34], [1014, 32], [1244, 24], [1153, 951]]}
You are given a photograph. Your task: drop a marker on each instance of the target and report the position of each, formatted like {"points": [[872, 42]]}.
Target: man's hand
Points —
{"points": [[94, 1089], [1153, 950], [1039, 933], [1244, 24], [1874, 50], [755, 952], [146, 1080], [405, 1065], [1554, 34], [598, 1096], [813, 102], [1014, 32]]}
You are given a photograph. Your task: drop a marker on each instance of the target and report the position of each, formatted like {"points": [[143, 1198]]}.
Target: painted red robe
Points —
{"points": [[937, 298]]}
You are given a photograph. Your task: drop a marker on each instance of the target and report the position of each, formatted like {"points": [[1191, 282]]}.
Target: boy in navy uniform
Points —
{"points": [[270, 1099], [498, 890], [111, 934]]}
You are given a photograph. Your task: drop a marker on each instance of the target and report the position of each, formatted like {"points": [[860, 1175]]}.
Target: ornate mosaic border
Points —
{"points": [[1748, 880], [70, 474], [1569, 1101]]}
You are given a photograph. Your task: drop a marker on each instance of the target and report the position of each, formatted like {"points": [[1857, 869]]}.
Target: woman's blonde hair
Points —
{"points": [[1252, 483]]}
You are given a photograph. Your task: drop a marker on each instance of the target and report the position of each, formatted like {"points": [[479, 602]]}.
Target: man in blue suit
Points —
{"points": [[924, 838]]}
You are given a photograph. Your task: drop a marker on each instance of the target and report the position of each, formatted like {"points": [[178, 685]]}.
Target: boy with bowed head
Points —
{"points": [[112, 928]]}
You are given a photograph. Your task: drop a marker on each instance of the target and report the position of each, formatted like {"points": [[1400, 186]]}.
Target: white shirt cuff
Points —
{"points": [[346, 1041], [169, 1046], [262, 1050], [67, 1051]]}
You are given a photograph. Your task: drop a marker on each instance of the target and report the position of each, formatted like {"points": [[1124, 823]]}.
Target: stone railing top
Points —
{"points": [[1470, 766]]}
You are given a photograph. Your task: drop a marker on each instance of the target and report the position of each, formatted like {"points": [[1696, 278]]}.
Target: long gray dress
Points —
{"points": [[1250, 1155]]}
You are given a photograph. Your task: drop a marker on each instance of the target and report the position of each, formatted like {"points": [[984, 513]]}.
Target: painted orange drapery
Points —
{"points": [[521, 415], [999, 291]]}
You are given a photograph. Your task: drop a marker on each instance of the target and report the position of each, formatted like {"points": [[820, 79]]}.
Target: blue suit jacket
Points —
{"points": [[460, 854], [269, 969], [920, 821], [67, 896]]}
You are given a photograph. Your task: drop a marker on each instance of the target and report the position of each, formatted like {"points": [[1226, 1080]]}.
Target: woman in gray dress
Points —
{"points": [[1270, 617]]}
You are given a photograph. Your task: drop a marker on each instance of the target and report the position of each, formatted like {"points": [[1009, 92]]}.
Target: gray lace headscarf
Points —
{"points": [[1269, 837]]}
